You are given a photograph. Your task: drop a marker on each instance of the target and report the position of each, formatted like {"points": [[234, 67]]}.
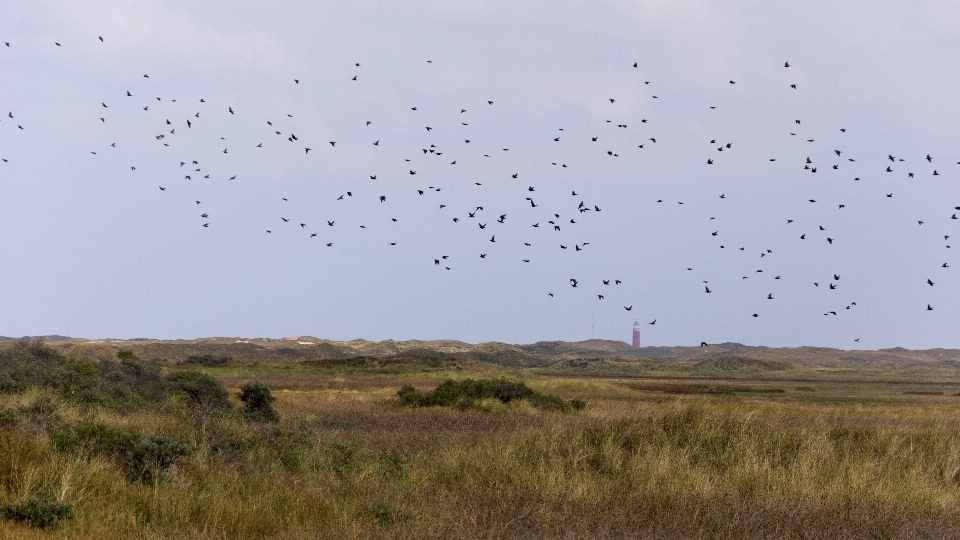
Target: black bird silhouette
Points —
{"points": [[708, 289], [929, 308], [703, 344], [930, 283], [628, 308]]}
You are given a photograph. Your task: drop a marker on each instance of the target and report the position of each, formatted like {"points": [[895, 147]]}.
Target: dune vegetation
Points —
{"points": [[419, 447]]}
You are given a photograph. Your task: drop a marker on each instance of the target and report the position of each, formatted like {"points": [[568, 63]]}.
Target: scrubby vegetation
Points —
{"points": [[258, 401], [208, 360], [39, 513], [123, 448], [468, 393]]}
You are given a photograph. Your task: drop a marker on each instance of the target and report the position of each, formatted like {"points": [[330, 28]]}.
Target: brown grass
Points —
{"points": [[641, 462]]}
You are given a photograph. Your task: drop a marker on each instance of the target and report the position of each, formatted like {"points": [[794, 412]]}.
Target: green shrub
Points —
{"points": [[27, 364], [257, 401], [40, 513], [202, 391], [142, 459], [125, 385], [7, 384], [208, 360], [464, 394], [95, 439], [42, 413], [9, 418], [150, 459], [75, 376]]}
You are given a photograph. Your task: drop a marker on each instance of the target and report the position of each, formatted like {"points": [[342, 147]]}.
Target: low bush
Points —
{"points": [[40, 513], [126, 384], [95, 439], [153, 457], [467, 392], [143, 459], [42, 413], [9, 418], [258, 402], [202, 392], [27, 364], [208, 360]]}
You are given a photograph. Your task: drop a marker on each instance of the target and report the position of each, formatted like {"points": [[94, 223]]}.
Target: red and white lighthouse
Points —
{"points": [[636, 333]]}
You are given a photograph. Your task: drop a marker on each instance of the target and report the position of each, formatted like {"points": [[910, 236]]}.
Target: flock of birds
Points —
{"points": [[557, 225]]}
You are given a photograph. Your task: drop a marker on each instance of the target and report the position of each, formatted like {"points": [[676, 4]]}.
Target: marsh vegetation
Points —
{"points": [[419, 447]]}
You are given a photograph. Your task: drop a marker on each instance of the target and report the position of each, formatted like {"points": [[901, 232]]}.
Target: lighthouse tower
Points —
{"points": [[636, 333]]}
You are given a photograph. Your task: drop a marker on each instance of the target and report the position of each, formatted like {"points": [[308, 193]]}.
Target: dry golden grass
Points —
{"points": [[642, 461]]}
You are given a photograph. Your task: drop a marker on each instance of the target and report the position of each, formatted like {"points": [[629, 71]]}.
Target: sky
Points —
{"points": [[91, 246]]}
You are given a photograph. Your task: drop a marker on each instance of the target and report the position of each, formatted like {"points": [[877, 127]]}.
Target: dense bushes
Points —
{"points": [[208, 360], [44, 514], [143, 459], [126, 384], [467, 392], [257, 401], [202, 392], [27, 364]]}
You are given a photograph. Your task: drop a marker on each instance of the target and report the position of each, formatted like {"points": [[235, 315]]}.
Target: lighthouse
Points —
{"points": [[636, 333]]}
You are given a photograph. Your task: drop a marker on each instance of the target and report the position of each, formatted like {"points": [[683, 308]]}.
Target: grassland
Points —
{"points": [[718, 448]]}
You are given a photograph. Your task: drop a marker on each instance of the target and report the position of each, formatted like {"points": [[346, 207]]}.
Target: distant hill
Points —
{"points": [[540, 354], [50, 339]]}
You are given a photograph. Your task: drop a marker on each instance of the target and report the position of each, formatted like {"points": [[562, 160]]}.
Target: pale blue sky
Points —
{"points": [[90, 248]]}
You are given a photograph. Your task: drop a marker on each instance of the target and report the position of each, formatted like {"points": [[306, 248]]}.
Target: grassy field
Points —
{"points": [[711, 451]]}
